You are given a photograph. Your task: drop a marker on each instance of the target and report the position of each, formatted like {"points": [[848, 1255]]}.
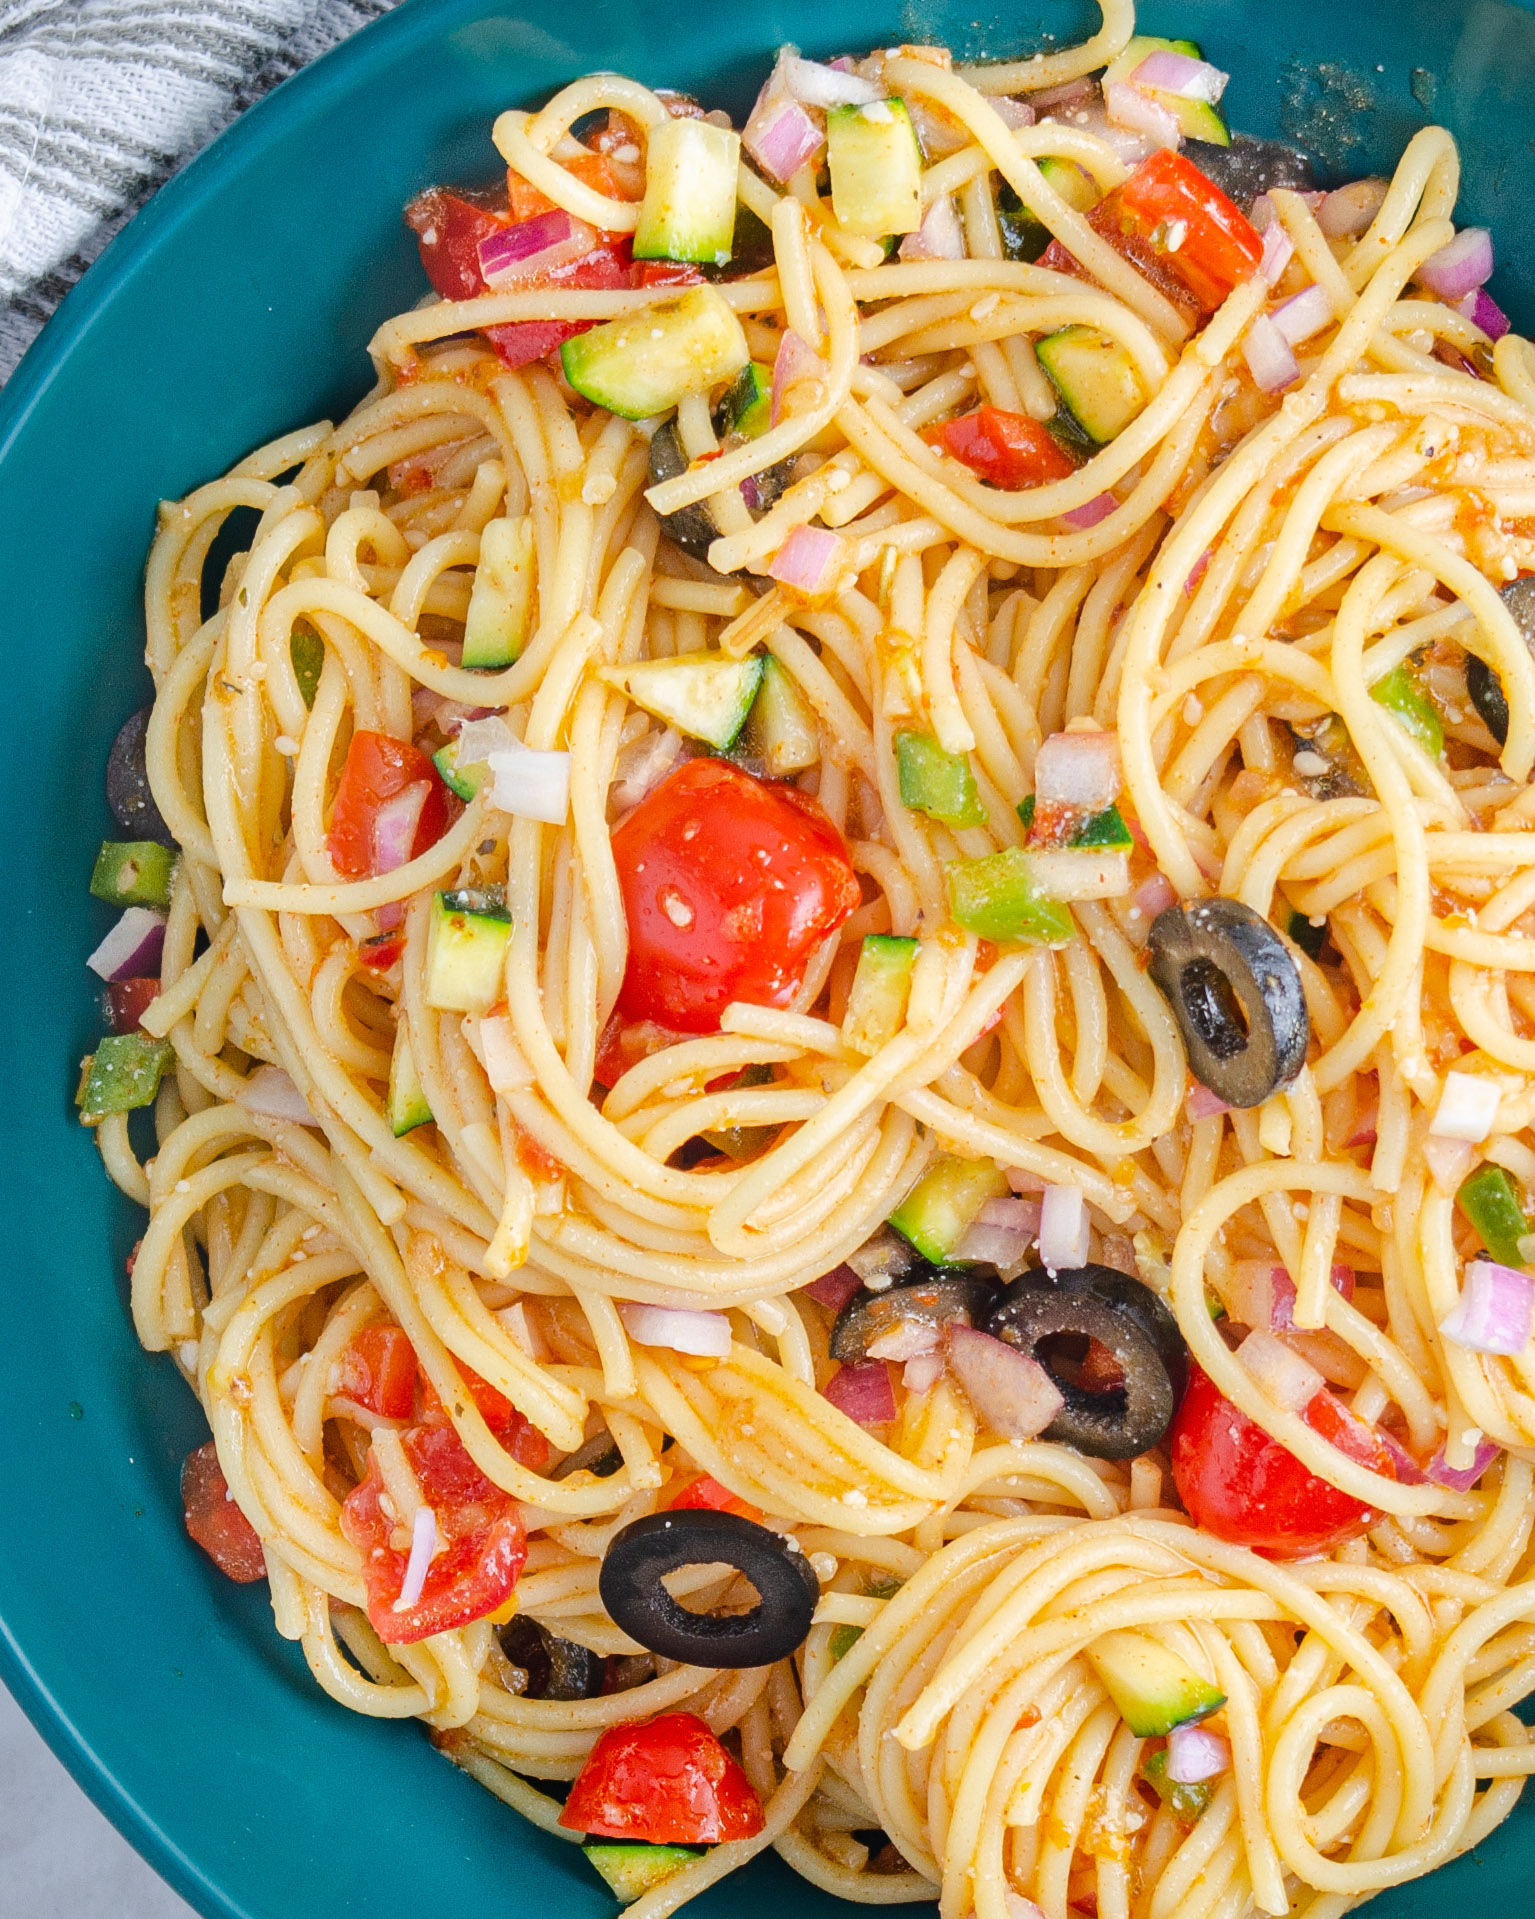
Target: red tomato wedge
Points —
{"points": [[666, 273], [520, 1437], [449, 223], [128, 1000], [378, 1370], [605, 269], [1005, 449], [1204, 237], [379, 769], [668, 1782], [595, 170], [1243, 1486], [730, 884], [481, 1542], [216, 1522], [706, 1494]]}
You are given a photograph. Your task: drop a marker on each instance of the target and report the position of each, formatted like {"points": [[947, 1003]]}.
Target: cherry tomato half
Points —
{"points": [[216, 1522], [1008, 450], [706, 1494], [380, 768], [668, 1782], [1243, 1486], [730, 884], [378, 1371], [1204, 237], [449, 223]]}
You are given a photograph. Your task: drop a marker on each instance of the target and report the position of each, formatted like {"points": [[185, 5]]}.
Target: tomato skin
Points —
{"points": [[1008, 450], [706, 1494], [479, 1529], [378, 1371], [1220, 249], [760, 877], [377, 768], [449, 223], [1246, 1488], [216, 1522], [518, 1435], [667, 1782]]}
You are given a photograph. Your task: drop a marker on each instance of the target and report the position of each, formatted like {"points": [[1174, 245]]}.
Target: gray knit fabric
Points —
{"points": [[102, 100]]}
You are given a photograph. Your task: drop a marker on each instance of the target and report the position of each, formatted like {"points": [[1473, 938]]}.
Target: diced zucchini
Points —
{"points": [[1096, 379], [643, 364], [1153, 1688], [689, 208], [133, 873], [938, 1211], [744, 1142], [876, 1002], [122, 1074], [1402, 697], [630, 1866], [705, 695], [1490, 1202], [465, 781], [1187, 1801], [781, 728], [999, 898], [501, 599], [408, 1106], [876, 169], [1106, 829], [466, 942], [843, 1640], [1309, 937], [937, 783], [1197, 119], [747, 408], [307, 651], [1024, 237]]}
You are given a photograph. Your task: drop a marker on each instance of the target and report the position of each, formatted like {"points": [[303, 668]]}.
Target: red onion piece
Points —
{"points": [[1461, 267], [1079, 770], [530, 784], [1460, 1479], [883, 1258], [1095, 510], [1482, 310], [1304, 314], [269, 1091], [1063, 1228], [1450, 1161], [1263, 1294], [833, 1289], [1190, 79], [1350, 210], [1278, 251], [1408, 1471], [814, 85], [1013, 113], [983, 1245], [1495, 1312], [642, 767], [1195, 1754], [1011, 1392], [1127, 106], [551, 239], [1467, 1109], [781, 136], [862, 1391], [1269, 357], [423, 1543], [1070, 93], [796, 364], [906, 1339], [395, 824], [1278, 1371], [922, 1373], [132, 949], [808, 561], [704, 1335], [1264, 214], [1200, 568], [939, 237], [1016, 1215], [1022, 1180], [1153, 896]]}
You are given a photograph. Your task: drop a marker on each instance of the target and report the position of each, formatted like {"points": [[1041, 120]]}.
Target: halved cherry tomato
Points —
{"points": [[706, 1494], [216, 1522], [625, 1043], [449, 223], [1243, 1486], [666, 273], [598, 171], [605, 269], [1111, 223], [380, 953], [378, 768], [481, 1541], [378, 1371], [519, 1436], [1204, 237], [128, 1000], [1005, 449], [730, 884], [669, 1783]]}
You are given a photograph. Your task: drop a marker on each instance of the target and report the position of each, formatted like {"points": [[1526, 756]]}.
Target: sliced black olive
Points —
{"points": [[626, 1670], [556, 1668], [1326, 763], [1097, 1303], [692, 527], [642, 1554], [1236, 994], [597, 1455], [1249, 167], [1307, 935], [1484, 686], [930, 1301], [128, 795]]}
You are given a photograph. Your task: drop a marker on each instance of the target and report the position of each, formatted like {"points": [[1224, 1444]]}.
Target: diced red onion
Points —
{"points": [[1263, 1294], [1013, 113], [1482, 310], [551, 239], [814, 85], [922, 1373], [390, 915], [1270, 359], [1460, 1479], [940, 236], [906, 1339], [132, 949], [423, 1543], [476, 739], [1264, 214], [1078, 769], [1200, 1103], [1199, 569], [531, 784], [506, 1065], [1408, 1471], [834, 1289], [796, 363], [999, 1246], [642, 767], [1304, 314], [862, 1391], [1023, 1181], [1450, 1161], [1016, 1215], [1154, 895], [1467, 1109], [781, 136], [1495, 1312], [395, 824], [1063, 1228], [883, 1258], [1195, 1754], [808, 561], [1278, 1371], [1461, 267], [270, 1092], [1070, 93], [1167, 72], [1127, 106], [1278, 251], [704, 1335], [1129, 146], [1350, 210], [1096, 509], [1012, 1392]]}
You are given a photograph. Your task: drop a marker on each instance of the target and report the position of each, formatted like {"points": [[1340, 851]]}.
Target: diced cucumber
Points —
{"points": [[466, 942], [938, 1211], [744, 1142], [307, 651], [781, 728], [465, 781], [937, 783], [1106, 829], [1024, 237], [705, 695], [1197, 119], [122, 1074], [630, 1866], [501, 599], [1187, 1801], [1153, 1688], [999, 898], [876, 1002], [876, 169], [408, 1107], [747, 408], [689, 208], [643, 364], [1096, 379], [133, 873], [1402, 697]]}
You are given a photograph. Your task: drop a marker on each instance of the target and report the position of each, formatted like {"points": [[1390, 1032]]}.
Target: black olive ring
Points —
{"points": [[642, 1554], [1095, 1302], [933, 1300], [1484, 686]]}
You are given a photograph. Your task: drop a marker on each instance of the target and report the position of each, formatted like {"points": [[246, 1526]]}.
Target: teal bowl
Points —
{"points": [[235, 306]]}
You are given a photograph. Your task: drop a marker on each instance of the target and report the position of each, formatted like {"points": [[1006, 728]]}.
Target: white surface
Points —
{"points": [[59, 1859]]}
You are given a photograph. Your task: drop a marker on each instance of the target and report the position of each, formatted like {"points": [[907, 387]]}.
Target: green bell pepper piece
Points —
{"points": [[998, 898], [124, 1072], [133, 873], [937, 783], [1489, 1200], [1401, 695]]}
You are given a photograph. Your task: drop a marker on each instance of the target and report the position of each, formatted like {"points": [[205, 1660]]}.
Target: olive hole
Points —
{"points": [[702, 1588], [1072, 1359], [1213, 1009]]}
